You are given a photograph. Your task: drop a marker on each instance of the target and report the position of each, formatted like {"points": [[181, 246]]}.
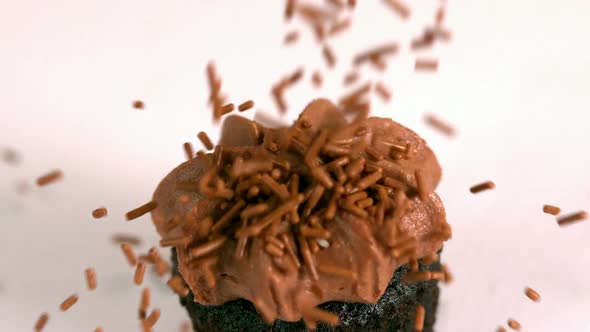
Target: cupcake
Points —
{"points": [[331, 224]]}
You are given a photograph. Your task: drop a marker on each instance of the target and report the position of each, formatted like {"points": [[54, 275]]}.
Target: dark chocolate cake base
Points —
{"points": [[394, 312]]}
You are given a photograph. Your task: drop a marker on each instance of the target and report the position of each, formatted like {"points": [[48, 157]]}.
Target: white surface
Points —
{"points": [[515, 82]]}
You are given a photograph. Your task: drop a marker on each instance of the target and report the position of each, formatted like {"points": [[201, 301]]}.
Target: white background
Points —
{"points": [[515, 81]]}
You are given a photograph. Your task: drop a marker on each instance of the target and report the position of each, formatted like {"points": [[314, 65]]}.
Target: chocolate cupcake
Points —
{"points": [[320, 225]]}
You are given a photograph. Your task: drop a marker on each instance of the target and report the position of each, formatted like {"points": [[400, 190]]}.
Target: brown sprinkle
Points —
{"points": [[375, 53], [290, 9], [399, 8], [314, 232], [90, 274], [275, 241], [340, 26], [329, 56], [514, 324], [307, 257], [379, 63], [355, 96], [162, 267], [176, 284], [374, 153], [138, 105], [139, 273], [120, 238], [140, 211], [383, 91], [426, 65], [291, 37], [208, 247], [287, 239], [279, 99], [321, 315], [205, 140], [337, 271], [440, 16], [68, 303], [175, 242], [129, 254], [99, 213], [188, 150], [419, 320], [152, 319], [154, 254], [317, 79], [49, 178], [365, 203], [246, 105], [354, 169], [279, 189], [294, 77], [228, 108], [572, 218], [532, 294], [369, 180], [144, 303], [276, 214], [98, 329], [319, 30], [551, 209], [227, 216], [422, 192], [254, 210], [350, 207], [351, 78], [439, 125], [501, 329], [353, 198], [314, 198], [488, 185], [273, 250], [41, 322]]}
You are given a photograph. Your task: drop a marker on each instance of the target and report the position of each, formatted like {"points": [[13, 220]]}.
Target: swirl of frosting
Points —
{"points": [[289, 218]]}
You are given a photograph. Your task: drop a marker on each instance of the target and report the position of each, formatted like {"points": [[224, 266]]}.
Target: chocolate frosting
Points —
{"points": [[358, 259]]}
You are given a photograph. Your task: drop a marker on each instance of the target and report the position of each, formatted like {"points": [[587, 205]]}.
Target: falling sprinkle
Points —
{"points": [[426, 65], [399, 8], [100, 213], [138, 105], [90, 274], [291, 38], [440, 125], [41, 322], [246, 105], [532, 294], [68, 303], [514, 324], [119, 238], [488, 185], [140, 211], [572, 218], [49, 178]]}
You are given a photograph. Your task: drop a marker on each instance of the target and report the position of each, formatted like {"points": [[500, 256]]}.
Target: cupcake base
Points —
{"points": [[395, 311]]}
